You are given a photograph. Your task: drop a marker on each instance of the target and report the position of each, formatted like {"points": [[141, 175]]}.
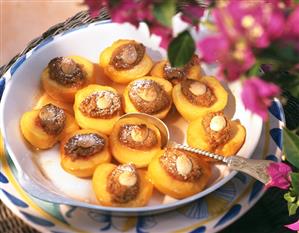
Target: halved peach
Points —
{"points": [[191, 111], [84, 167], [125, 154], [102, 125], [99, 183], [166, 85], [194, 72], [178, 189], [126, 75], [67, 94], [35, 134], [197, 137]]}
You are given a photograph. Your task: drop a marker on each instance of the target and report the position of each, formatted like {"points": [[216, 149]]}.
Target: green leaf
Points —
{"points": [[164, 12], [289, 198], [286, 80], [255, 70], [181, 49], [292, 207], [291, 146], [295, 182]]}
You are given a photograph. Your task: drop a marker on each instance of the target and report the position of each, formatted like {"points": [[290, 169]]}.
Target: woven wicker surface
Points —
{"points": [[77, 20], [260, 219], [9, 223]]}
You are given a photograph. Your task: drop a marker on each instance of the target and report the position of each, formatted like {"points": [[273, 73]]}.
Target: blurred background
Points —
{"points": [[23, 20]]}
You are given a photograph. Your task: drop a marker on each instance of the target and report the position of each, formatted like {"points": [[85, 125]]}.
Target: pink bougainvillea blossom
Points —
{"points": [[95, 6], [243, 27], [213, 48], [276, 24], [164, 32], [256, 23], [132, 12], [292, 25], [236, 63], [192, 13], [257, 95], [279, 175], [293, 226], [233, 58]]}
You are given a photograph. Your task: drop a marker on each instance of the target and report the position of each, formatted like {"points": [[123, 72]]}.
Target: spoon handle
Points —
{"points": [[253, 167]]}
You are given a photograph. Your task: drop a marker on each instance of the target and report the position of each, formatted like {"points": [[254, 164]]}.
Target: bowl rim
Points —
{"points": [[156, 208]]}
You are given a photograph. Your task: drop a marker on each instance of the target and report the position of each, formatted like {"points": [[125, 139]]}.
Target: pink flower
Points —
{"points": [[95, 6], [164, 32], [132, 11], [275, 24], [192, 13], [257, 95], [292, 26], [279, 175], [244, 27], [294, 226], [256, 23], [213, 48], [232, 67], [234, 58]]}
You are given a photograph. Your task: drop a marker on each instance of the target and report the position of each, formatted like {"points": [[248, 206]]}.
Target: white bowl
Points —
{"points": [[40, 173]]}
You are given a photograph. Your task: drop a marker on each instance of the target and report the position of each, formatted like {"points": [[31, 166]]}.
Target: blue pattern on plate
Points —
{"points": [[227, 192], [37, 220], [272, 158], [201, 229], [276, 136], [17, 64], [233, 211], [43, 43], [2, 86], [16, 201], [197, 210], [51, 208], [242, 177], [256, 189], [275, 110], [101, 218], [3, 178], [144, 223]]}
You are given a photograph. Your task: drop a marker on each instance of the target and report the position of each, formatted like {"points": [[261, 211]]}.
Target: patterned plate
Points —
{"points": [[208, 214]]}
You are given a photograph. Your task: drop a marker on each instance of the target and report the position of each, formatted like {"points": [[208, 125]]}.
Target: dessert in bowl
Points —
{"points": [[41, 172]]}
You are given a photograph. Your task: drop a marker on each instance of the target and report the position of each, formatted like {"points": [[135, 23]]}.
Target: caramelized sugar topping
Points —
{"points": [[84, 145], [137, 136], [181, 165], [52, 119], [218, 128], [198, 93], [123, 183], [127, 56], [177, 74], [66, 72], [101, 104], [148, 96]]}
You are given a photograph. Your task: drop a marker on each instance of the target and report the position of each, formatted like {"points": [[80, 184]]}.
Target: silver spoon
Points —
{"points": [[253, 167]]}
